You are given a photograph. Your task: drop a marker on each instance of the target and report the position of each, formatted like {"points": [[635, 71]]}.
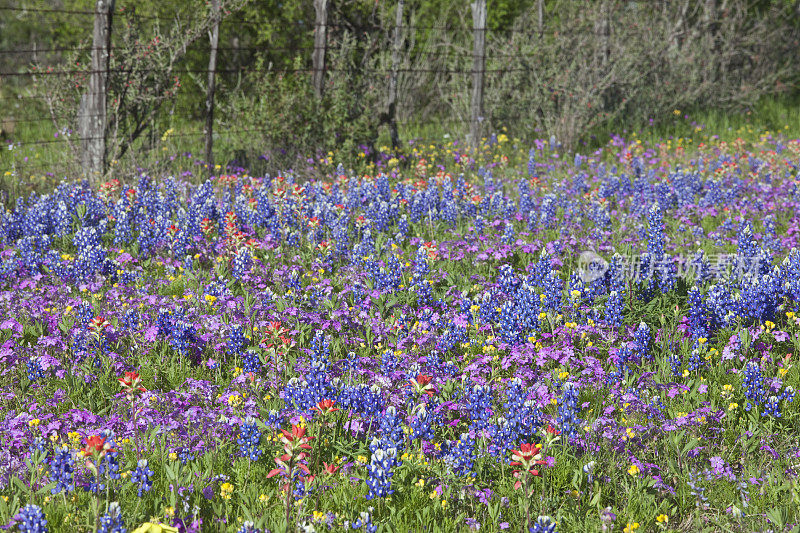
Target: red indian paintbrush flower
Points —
{"points": [[330, 469], [422, 384], [98, 324], [527, 457], [131, 382], [295, 442], [96, 447], [325, 407]]}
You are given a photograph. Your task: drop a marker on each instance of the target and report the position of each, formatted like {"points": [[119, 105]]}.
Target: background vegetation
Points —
{"points": [[579, 71]]}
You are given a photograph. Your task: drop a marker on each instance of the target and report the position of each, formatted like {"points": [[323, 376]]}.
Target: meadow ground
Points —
{"points": [[511, 338]]}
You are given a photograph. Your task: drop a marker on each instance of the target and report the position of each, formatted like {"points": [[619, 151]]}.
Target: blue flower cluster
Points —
{"points": [[379, 471], [249, 440], [758, 395], [461, 455], [141, 475], [30, 519], [111, 521], [62, 470], [567, 419]]}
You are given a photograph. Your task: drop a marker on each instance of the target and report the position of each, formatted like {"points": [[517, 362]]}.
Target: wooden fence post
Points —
{"points": [[478, 68], [398, 23], [92, 113], [320, 44], [212, 69], [540, 9]]}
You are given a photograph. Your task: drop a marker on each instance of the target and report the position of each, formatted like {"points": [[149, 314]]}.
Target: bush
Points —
{"points": [[280, 117]]}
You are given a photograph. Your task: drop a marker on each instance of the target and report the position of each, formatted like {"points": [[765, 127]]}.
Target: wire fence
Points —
{"points": [[30, 119], [47, 132]]}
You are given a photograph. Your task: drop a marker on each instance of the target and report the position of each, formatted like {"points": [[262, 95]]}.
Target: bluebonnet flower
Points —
{"points": [[479, 405], [614, 308], [365, 521], [141, 475], [567, 420], [479, 225], [697, 490], [379, 471], [421, 423], [35, 370], [241, 264], [523, 417], [696, 360], [588, 469], [248, 527], [390, 429], [461, 456], [675, 365], [532, 162], [62, 470], [543, 524], [108, 465], [31, 520], [487, 309], [249, 440], [641, 340], [503, 437], [507, 280], [112, 522], [507, 324], [508, 234], [183, 336]]}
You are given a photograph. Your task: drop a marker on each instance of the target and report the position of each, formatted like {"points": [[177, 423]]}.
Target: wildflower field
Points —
{"points": [[514, 338]]}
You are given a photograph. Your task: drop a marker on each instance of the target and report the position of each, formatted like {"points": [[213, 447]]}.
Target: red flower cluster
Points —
{"points": [[528, 457], [325, 407], [422, 384], [131, 382], [98, 325], [295, 446]]}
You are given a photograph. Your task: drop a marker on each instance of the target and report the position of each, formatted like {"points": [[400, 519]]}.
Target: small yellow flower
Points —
{"points": [[733, 406], [634, 470], [210, 298], [234, 400], [169, 511], [173, 456], [662, 519], [263, 498], [155, 527], [434, 495], [225, 491], [631, 527], [33, 422], [361, 459]]}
